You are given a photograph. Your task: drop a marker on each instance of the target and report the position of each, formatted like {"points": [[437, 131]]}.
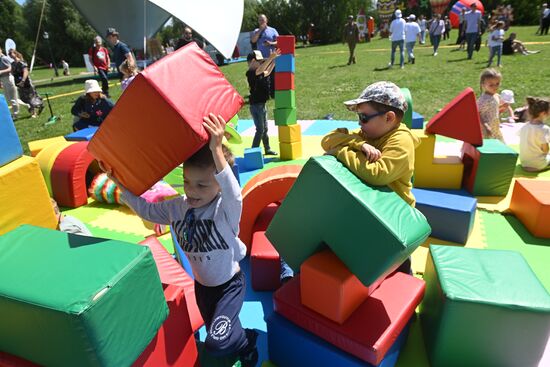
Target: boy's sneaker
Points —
{"points": [[249, 356], [270, 152]]}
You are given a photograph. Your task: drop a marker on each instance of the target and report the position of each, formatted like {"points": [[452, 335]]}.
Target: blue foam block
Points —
{"points": [[284, 63], [253, 159], [451, 215], [82, 135], [244, 125], [290, 345], [10, 146], [417, 121], [180, 255]]}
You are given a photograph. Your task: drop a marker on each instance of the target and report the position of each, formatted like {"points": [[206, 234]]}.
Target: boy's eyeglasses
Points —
{"points": [[366, 118]]}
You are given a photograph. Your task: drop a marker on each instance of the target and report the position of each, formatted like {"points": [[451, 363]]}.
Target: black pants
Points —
{"points": [[104, 81], [219, 307], [545, 26]]}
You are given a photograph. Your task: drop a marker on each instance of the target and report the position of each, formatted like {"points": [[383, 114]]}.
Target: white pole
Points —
{"points": [[37, 36], [144, 33]]}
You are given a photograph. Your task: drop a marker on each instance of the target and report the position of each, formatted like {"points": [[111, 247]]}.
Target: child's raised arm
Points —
{"points": [[215, 125]]}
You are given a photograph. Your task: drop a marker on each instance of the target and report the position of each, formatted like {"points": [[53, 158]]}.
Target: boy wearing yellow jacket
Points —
{"points": [[382, 152]]}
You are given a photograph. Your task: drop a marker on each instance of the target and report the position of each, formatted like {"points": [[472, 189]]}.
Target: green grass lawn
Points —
{"points": [[323, 80]]}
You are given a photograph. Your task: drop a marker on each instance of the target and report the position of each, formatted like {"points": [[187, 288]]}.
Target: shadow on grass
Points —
{"points": [[338, 66], [382, 69], [525, 235], [458, 60]]}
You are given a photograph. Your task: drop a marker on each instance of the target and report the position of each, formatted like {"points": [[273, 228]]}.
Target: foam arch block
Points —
{"points": [[157, 122], [9, 140], [68, 175], [46, 159], [483, 308], [290, 345], [24, 197], [386, 312], [92, 301], [267, 187], [459, 119], [531, 205], [36, 146], [371, 230]]}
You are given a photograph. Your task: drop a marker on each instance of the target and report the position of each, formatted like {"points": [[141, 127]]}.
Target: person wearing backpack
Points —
{"points": [[99, 56], [259, 86]]}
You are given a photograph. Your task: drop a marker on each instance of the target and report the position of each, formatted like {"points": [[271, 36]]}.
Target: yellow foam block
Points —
{"points": [[290, 151], [37, 145], [24, 198], [443, 173], [290, 133], [46, 159], [424, 153]]}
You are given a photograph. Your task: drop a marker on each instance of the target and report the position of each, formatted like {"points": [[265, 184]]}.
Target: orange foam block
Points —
{"points": [[268, 187], [531, 205], [329, 288], [157, 122], [459, 119]]}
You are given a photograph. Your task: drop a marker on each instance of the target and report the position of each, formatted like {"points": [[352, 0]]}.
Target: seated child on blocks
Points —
{"points": [[381, 152], [206, 223], [534, 137]]}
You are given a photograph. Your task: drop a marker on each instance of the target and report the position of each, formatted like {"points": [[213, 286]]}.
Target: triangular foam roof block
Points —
{"points": [[459, 119], [157, 122]]}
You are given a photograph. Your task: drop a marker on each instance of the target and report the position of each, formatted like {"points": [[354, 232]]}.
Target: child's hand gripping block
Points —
{"points": [[157, 122], [459, 119], [371, 230]]}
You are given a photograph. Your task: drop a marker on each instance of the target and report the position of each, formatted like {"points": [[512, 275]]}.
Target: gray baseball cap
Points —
{"points": [[386, 93]]}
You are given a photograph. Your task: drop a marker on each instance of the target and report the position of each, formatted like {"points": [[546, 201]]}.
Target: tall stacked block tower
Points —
{"points": [[290, 135]]}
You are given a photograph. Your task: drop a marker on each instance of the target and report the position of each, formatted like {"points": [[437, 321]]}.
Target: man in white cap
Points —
{"points": [[397, 37], [92, 108], [412, 33]]}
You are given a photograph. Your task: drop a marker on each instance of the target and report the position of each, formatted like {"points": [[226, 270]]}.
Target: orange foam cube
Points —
{"points": [[329, 288], [531, 205]]}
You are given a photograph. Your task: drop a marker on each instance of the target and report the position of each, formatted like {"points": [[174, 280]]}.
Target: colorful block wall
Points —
{"points": [[290, 136]]}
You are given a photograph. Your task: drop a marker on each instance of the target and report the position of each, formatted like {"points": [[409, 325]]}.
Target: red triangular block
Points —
{"points": [[459, 119]]}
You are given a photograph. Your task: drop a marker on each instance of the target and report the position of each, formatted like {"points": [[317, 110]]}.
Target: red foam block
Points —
{"points": [[459, 119], [267, 187], [68, 175], [284, 81], [157, 122], [174, 344], [171, 273], [286, 44], [372, 329], [470, 158]]}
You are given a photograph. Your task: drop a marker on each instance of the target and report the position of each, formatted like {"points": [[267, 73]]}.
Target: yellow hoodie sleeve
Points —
{"points": [[392, 165], [341, 137]]}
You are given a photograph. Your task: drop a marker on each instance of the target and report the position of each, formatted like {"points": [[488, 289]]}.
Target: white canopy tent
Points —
{"points": [[218, 21]]}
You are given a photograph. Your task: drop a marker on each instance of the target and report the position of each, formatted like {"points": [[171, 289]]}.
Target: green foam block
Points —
{"points": [[372, 230], [69, 300], [408, 116], [497, 163], [285, 99], [285, 116], [483, 308]]}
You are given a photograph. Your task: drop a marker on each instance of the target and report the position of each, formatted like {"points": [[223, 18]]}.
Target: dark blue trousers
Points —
{"points": [[219, 307]]}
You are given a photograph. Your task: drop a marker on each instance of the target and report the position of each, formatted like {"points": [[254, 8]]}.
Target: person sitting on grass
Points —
{"points": [[511, 45], [92, 108]]}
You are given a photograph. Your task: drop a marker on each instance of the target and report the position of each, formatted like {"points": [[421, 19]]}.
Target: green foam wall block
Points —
{"points": [[497, 163], [69, 300], [371, 230], [285, 99], [483, 308], [408, 117], [285, 116]]}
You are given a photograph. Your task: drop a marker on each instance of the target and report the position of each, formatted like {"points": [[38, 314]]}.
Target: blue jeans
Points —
{"points": [[436, 38], [471, 39], [259, 115], [104, 81], [492, 51], [394, 45], [410, 49], [422, 37]]}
